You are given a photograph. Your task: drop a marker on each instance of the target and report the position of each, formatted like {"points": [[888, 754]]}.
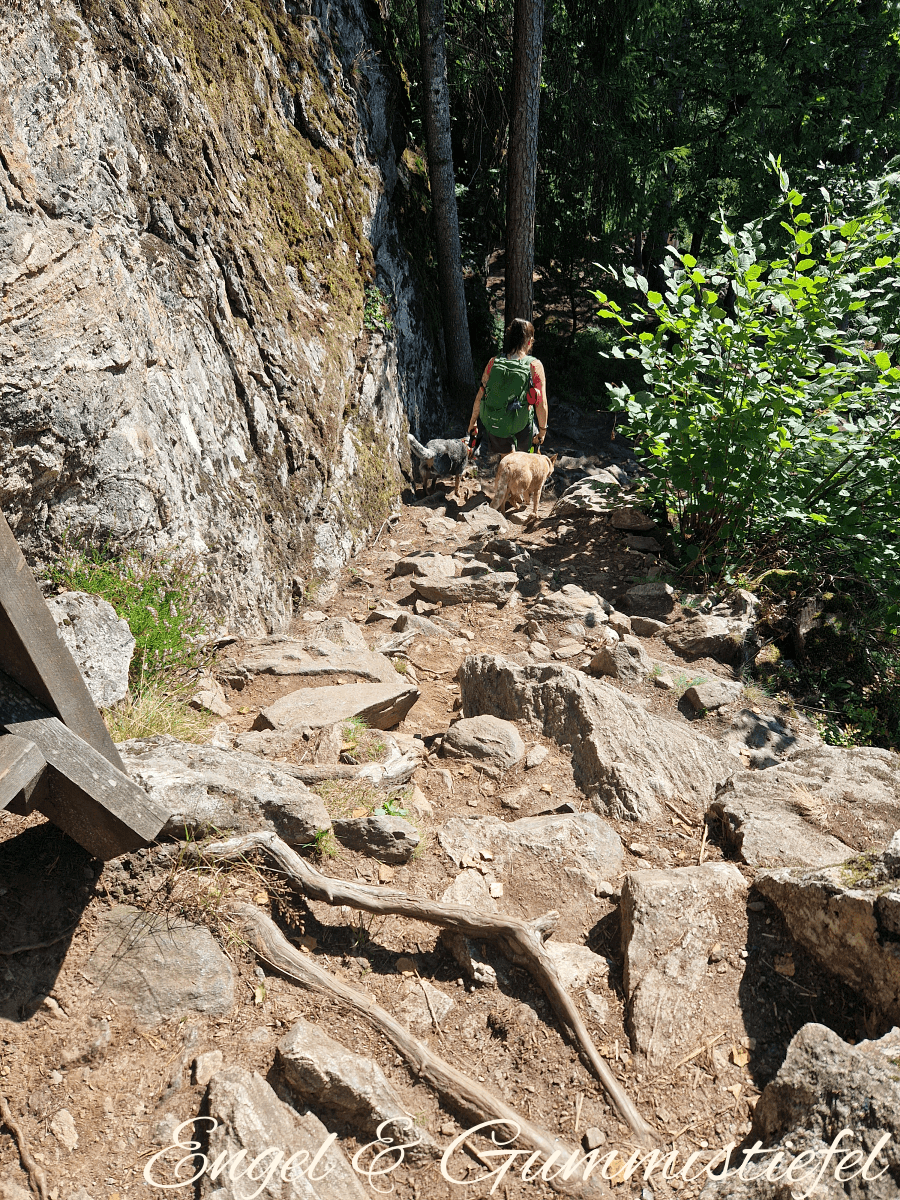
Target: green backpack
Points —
{"points": [[504, 408]]}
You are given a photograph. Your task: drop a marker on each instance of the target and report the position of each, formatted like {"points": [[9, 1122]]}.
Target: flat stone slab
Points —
{"points": [[426, 565], [494, 586], [100, 642], [380, 705], [670, 921], [290, 656], [207, 789], [547, 862], [790, 814], [160, 966]]}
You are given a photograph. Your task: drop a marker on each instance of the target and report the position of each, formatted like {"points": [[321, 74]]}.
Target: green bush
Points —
{"points": [[158, 595], [769, 417]]}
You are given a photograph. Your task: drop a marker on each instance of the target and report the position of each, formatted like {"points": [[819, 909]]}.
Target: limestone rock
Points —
{"points": [[769, 739], [626, 660], [625, 760], [576, 964], [416, 1011], [316, 746], [825, 1086], [776, 817], [100, 642], [646, 627], [545, 862], [205, 1066], [594, 494], [251, 1118], [656, 600], [63, 1129], [163, 347], [160, 966], [380, 705], [320, 1070], [205, 789], [426, 564], [632, 519], [705, 636], [389, 839], [495, 586], [484, 737], [848, 917], [669, 923], [535, 756], [715, 693]]}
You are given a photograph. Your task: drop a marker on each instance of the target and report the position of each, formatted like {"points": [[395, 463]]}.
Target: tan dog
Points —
{"points": [[521, 477]]}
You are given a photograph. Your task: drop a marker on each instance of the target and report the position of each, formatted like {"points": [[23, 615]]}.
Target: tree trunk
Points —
{"points": [[457, 346], [528, 33]]}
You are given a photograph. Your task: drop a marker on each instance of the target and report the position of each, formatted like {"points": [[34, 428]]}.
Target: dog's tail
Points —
{"points": [[501, 489], [418, 449]]}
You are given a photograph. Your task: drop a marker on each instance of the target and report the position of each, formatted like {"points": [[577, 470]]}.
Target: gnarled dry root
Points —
{"points": [[521, 941], [35, 1173], [460, 1092]]}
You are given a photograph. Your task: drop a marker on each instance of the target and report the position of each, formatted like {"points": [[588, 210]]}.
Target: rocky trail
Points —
{"points": [[483, 721]]}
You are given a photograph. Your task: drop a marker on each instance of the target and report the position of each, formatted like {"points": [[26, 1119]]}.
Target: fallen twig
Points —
{"points": [[461, 1092], [35, 1172], [521, 941]]}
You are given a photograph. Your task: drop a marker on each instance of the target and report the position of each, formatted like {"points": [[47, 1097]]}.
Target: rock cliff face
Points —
{"points": [[194, 198]]}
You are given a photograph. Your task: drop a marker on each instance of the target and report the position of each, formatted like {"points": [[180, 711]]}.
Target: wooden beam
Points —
{"points": [[80, 791], [21, 764], [34, 655]]}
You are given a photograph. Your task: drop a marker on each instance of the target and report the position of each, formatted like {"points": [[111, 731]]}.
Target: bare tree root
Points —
{"points": [[35, 1173], [457, 1090], [521, 941]]}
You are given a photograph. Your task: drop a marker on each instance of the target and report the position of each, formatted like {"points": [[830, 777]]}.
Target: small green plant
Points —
{"points": [[683, 682], [353, 731], [323, 844], [390, 808], [376, 310], [401, 666]]}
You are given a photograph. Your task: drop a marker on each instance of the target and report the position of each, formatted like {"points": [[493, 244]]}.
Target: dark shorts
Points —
{"points": [[498, 445]]}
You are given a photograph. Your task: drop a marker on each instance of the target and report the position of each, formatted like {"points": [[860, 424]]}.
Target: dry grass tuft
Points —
{"points": [[153, 711]]}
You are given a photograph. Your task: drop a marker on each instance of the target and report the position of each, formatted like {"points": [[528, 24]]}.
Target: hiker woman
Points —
{"points": [[513, 387]]}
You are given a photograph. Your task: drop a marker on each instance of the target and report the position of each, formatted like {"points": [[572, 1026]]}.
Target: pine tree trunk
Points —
{"points": [[457, 346], [528, 33]]}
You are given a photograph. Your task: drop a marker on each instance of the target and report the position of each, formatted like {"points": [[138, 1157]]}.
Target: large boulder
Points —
{"points": [[100, 642], [625, 760], [160, 966], [670, 922], [389, 839], [546, 862], [207, 790], [320, 659], [799, 812], [253, 1125], [848, 917], [837, 1106]]}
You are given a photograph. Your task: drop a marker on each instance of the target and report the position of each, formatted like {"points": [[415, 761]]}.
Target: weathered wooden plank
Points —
{"points": [[34, 655], [20, 765], [80, 791]]}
